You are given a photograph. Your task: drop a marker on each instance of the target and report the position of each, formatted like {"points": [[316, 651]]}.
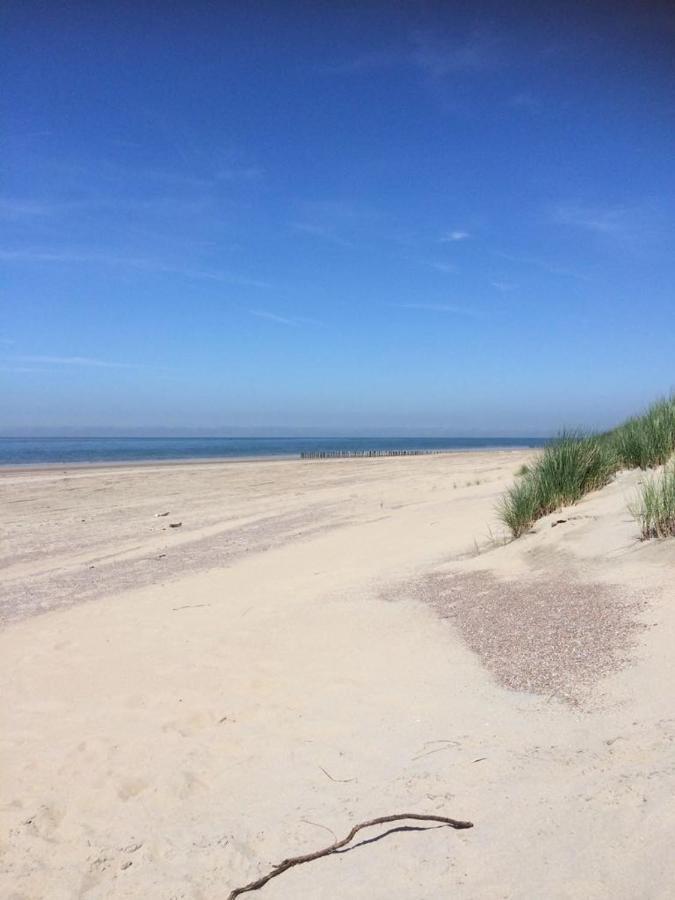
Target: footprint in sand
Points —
{"points": [[189, 784], [107, 862], [192, 724], [44, 822], [131, 787], [239, 861]]}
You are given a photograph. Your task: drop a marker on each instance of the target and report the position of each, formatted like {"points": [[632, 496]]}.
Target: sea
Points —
{"points": [[19, 451]]}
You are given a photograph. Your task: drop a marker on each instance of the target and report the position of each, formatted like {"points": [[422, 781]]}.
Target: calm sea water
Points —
{"points": [[39, 451]]}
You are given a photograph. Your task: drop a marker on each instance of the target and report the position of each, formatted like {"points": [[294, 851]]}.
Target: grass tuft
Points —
{"points": [[646, 441], [577, 463], [655, 509], [569, 467], [518, 507]]}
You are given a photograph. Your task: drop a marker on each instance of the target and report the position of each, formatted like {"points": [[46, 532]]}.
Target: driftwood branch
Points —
{"points": [[309, 857], [337, 780]]}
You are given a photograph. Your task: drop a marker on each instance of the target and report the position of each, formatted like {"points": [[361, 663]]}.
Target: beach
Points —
{"points": [[207, 668]]}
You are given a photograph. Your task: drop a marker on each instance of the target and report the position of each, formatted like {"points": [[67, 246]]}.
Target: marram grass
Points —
{"points": [[648, 440], [655, 508], [569, 467], [577, 463], [518, 507]]}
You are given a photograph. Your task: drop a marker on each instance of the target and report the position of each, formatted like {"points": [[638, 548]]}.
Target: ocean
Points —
{"points": [[18, 451]]}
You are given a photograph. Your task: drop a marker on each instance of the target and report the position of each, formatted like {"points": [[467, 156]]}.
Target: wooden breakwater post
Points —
{"points": [[349, 454]]}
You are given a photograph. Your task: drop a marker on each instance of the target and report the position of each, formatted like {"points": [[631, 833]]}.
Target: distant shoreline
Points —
{"points": [[27, 468], [29, 453]]}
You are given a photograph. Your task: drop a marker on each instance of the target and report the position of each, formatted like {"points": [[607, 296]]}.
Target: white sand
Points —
{"points": [[234, 689]]}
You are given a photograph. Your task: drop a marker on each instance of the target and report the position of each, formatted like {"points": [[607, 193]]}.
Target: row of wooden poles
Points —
{"points": [[335, 454]]}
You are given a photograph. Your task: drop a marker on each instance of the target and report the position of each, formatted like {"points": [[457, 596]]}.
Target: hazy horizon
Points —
{"points": [[259, 433]]}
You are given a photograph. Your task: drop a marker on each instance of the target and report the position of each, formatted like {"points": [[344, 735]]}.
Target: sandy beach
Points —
{"points": [[208, 668]]}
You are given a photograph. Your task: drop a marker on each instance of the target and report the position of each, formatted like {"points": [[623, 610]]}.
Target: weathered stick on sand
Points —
{"points": [[309, 857]]}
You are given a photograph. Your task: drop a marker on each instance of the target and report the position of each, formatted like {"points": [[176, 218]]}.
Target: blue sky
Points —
{"points": [[340, 217]]}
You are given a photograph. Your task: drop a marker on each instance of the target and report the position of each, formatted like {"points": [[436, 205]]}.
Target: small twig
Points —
{"points": [[448, 746], [309, 857], [190, 606], [336, 780]]}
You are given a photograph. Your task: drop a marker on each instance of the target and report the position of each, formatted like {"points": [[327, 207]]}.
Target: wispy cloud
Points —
{"points": [[40, 256], [242, 173], [320, 231], [451, 237], [272, 317], [205, 176], [129, 177], [643, 227], [212, 275], [524, 100], [75, 361], [369, 61], [28, 135], [282, 320], [439, 307], [436, 54], [546, 265], [504, 286], [192, 186], [440, 266], [146, 264], [12, 208], [439, 55], [602, 220]]}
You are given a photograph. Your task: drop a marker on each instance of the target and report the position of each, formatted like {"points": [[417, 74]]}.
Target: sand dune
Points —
{"points": [[320, 643]]}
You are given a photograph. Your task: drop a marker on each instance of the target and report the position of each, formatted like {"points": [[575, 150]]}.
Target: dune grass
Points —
{"points": [[518, 507], [648, 440], [655, 509], [578, 462], [569, 467]]}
